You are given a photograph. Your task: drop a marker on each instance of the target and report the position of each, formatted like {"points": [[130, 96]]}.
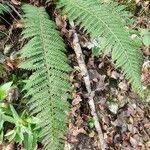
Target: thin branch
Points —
{"points": [[84, 72]]}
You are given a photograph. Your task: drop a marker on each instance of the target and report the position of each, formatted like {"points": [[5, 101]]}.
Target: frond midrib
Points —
{"points": [[47, 68]]}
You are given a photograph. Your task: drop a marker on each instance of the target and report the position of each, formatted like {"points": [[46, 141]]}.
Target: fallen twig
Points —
{"points": [[84, 72]]}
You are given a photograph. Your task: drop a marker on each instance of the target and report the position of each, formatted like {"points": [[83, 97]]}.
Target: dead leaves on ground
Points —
{"points": [[124, 119]]}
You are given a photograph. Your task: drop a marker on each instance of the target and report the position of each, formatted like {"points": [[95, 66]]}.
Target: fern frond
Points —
{"points": [[48, 86], [97, 20], [4, 9]]}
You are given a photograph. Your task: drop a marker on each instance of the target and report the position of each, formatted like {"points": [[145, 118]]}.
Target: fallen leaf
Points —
{"points": [[16, 2], [123, 86], [76, 101], [92, 134], [133, 142]]}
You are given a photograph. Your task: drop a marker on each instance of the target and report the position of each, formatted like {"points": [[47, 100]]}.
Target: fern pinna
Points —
{"points": [[4, 9], [101, 19], [48, 86]]}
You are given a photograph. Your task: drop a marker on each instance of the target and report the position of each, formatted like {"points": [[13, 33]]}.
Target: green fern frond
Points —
{"points": [[97, 20], [49, 85], [4, 9]]}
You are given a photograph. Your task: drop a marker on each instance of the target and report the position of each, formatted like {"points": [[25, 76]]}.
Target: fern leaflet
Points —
{"points": [[4, 9]]}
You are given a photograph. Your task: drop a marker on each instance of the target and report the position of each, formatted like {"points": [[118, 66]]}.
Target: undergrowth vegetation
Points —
{"points": [[45, 55]]}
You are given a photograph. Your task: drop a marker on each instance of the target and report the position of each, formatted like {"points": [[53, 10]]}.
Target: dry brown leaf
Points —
{"points": [[16, 2], [76, 101], [18, 25], [133, 142], [123, 86], [115, 74], [92, 134]]}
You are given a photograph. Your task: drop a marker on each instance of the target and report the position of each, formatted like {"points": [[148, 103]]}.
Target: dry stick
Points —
{"points": [[84, 72]]}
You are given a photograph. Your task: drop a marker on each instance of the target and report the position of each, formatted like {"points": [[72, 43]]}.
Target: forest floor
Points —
{"points": [[123, 116]]}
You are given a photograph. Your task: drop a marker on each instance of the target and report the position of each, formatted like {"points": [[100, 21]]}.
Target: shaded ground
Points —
{"points": [[125, 120]]}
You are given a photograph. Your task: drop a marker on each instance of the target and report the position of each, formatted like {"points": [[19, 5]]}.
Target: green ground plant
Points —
{"points": [[23, 126]]}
